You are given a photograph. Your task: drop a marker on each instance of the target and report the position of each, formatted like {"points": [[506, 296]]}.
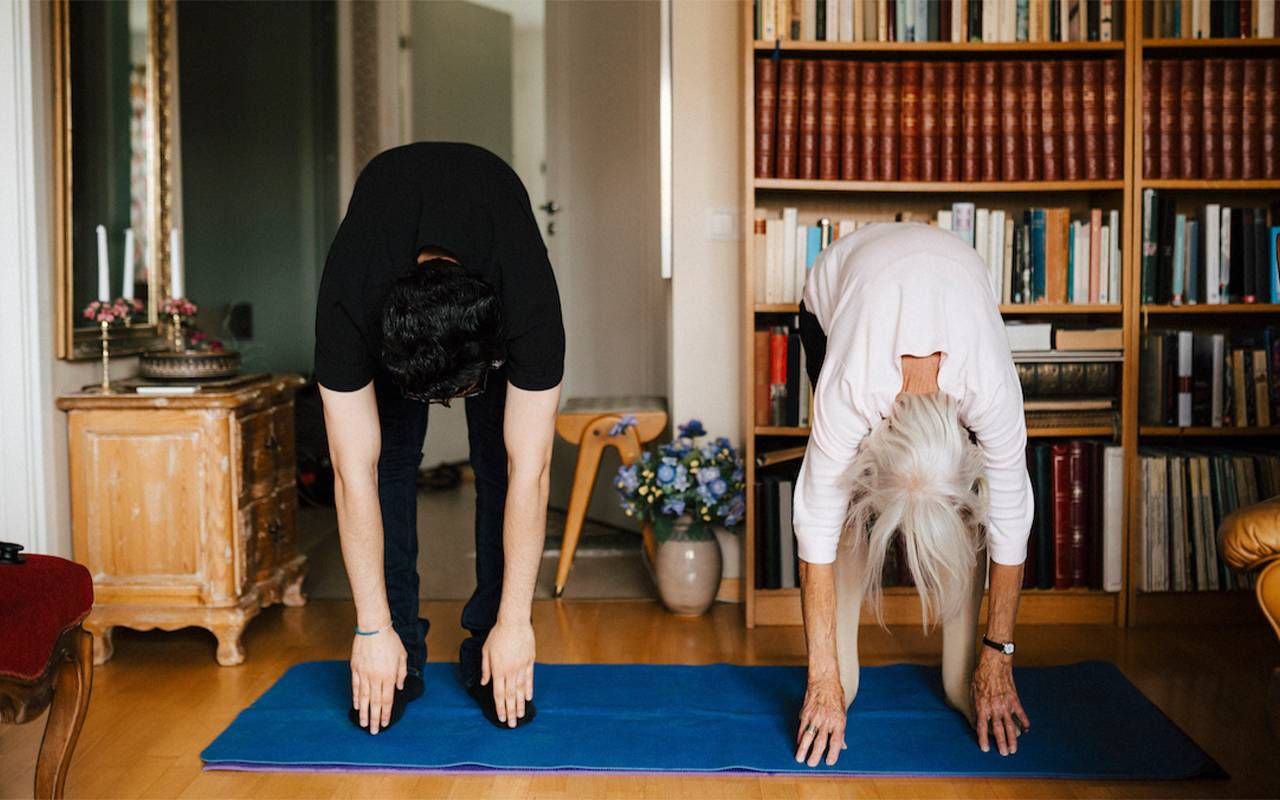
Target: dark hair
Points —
{"points": [[441, 329]]}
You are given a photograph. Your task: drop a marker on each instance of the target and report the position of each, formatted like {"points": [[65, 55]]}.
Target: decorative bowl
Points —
{"points": [[189, 365]]}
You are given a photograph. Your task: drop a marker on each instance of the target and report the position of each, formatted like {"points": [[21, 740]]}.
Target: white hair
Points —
{"points": [[919, 476]]}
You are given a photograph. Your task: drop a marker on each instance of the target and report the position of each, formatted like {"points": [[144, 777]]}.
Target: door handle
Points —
{"points": [[551, 207]]}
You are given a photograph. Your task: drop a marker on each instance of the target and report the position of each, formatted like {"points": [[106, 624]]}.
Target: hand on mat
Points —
{"points": [[378, 668], [996, 704], [821, 722], [507, 660]]}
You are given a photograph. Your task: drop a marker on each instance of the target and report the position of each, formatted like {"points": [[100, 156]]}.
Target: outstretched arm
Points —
{"points": [[528, 430]]}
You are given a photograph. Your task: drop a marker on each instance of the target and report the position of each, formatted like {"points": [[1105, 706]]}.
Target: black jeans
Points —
{"points": [[404, 427], [814, 342]]}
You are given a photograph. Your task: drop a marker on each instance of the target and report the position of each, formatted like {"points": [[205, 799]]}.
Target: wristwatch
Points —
{"points": [[1004, 647]]}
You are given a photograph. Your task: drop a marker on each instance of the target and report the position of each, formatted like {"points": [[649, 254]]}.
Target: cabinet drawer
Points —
{"points": [[257, 457], [286, 515], [264, 522], [281, 443]]}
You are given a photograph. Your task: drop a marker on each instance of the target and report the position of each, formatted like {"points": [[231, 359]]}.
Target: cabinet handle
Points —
{"points": [[273, 443], [273, 530]]}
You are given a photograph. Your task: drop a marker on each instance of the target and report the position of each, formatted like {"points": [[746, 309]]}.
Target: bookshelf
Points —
{"points": [[881, 200], [1172, 607]]}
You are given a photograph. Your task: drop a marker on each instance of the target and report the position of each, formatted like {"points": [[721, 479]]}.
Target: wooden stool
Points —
{"points": [[586, 422]]}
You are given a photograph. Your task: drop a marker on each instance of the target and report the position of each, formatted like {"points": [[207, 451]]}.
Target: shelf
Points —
{"points": [[901, 606], [1201, 184], [1231, 607], [781, 430], [940, 47], [1200, 44], [937, 187], [1206, 309], [1045, 433], [1205, 430], [1060, 308], [777, 308]]}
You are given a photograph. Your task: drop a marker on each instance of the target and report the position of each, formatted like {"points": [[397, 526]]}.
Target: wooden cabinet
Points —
{"points": [[184, 508]]}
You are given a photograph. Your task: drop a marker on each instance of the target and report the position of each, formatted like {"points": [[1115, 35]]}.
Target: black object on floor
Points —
{"points": [[412, 690], [483, 695]]}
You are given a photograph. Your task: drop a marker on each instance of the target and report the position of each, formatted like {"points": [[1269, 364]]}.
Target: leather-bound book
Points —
{"points": [[1150, 118], [890, 108], [1232, 75], [869, 102], [1029, 106], [989, 121], [1011, 140], [766, 114], [970, 115], [1190, 111], [1211, 120], [788, 117], [1097, 513], [1078, 513], [1271, 119], [849, 118], [1060, 459], [909, 121], [949, 107], [1050, 121], [829, 113], [1072, 122], [1167, 119], [1251, 119], [810, 82], [1091, 117], [1042, 477], [930, 122], [1112, 119], [1057, 249]]}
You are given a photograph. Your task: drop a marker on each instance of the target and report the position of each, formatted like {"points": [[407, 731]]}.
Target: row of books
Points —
{"points": [[1216, 379], [1220, 254], [1186, 493], [939, 20], [829, 119], [784, 252], [1209, 19], [783, 396], [1210, 118]]}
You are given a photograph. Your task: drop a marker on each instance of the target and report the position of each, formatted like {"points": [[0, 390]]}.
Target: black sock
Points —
{"points": [[413, 688]]}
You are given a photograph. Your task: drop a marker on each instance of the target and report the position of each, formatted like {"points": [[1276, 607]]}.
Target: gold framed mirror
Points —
{"points": [[115, 72]]}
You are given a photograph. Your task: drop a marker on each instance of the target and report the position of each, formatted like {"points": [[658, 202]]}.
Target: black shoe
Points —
{"points": [[483, 695], [413, 688]]}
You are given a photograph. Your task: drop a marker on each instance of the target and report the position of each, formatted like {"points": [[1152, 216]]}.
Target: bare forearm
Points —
{"points": [[523, 534], [360, 532], [818, 601], [1005, 588]]}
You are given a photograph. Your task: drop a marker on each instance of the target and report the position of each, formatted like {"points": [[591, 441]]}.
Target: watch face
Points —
{"points": [[1008, 648]]}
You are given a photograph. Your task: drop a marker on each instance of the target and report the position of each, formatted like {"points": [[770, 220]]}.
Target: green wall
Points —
{"points": [[259, 162]]}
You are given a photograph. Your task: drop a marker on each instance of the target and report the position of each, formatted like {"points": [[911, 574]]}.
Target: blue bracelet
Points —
{"points": [[372, 633]]}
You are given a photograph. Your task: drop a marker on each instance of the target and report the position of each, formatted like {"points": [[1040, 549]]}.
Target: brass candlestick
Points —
{"points": [[106, 358], [179, 342]]}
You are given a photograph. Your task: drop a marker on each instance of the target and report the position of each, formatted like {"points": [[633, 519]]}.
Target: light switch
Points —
{"points": [[722, 224]]}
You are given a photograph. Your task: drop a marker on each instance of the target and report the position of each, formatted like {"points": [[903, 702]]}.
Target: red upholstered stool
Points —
{"points": [[46, 658]]}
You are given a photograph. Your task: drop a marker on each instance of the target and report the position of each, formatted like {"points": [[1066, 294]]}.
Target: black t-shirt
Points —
{"points": [[457, 197]]}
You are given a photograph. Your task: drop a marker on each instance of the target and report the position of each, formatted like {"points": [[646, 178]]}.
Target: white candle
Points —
{"points": [[177, 286], [104, 267], [128, 264]]}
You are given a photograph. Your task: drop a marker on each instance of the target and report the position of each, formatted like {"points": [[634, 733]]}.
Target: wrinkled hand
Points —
{"points": [[996, 704], [378, 668], [508, 660], [822, 721]]}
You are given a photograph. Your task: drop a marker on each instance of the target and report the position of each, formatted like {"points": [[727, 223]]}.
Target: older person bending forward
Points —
{"points": [[909, 357]]}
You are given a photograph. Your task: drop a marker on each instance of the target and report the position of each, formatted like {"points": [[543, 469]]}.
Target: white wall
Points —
{"points": [[707, 155]]}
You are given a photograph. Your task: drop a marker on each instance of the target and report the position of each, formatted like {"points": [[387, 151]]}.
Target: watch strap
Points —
{"points": [[1006, 648]]}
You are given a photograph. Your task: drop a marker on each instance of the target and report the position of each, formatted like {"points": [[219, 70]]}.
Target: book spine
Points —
{"points": [[849, 150], [810, 80], [761, 385], [1232, 75], [778, 376], [1112, 119], [830, 112], [1029, 106], [870, 114], [970, 110], [1211, 120], [1061, 490], [890, 108], [1095, 254], [1043, 455], [1189, 117], [989, 121], [1078, 513], [949, 145], [930, 129], [1011, 114], [1271, 120], [1168, 116], [1251, 119], [1091, 117], [1051, 120], [766, 114], [788, 117], [1150, 140], [909, 76]]}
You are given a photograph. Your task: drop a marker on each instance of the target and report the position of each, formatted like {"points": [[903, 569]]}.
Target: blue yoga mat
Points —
{"points": [[1087, 721]]}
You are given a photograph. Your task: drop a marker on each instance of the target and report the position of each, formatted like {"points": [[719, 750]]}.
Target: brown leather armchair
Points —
{"points": [[1250, 539]]}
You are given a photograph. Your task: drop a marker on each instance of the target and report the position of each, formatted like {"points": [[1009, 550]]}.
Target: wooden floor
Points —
{"points": [[162, 699]]}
